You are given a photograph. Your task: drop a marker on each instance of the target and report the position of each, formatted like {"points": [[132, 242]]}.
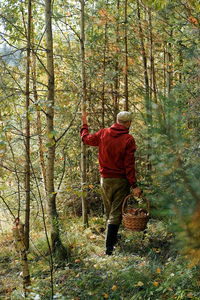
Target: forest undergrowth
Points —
{"points": [[144, 266]]}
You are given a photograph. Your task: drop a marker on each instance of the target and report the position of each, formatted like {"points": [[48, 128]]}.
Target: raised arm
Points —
{"points": [[89, 139]]}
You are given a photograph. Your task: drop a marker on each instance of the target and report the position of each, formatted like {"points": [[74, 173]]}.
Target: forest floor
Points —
{"points": [[144, 266]]}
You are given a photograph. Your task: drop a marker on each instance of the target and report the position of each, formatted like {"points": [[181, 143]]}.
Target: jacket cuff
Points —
{"points": [[84, 127]]}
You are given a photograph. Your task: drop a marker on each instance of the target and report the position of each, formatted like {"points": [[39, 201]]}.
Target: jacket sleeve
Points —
{"points": [[129, 162], [90, 139]]}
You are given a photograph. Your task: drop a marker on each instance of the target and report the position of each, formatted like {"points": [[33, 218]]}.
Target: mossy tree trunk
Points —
{"points": [[20, 244]]}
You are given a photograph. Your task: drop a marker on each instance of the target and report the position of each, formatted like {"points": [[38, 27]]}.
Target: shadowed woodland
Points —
{"points": [[57, 60]]}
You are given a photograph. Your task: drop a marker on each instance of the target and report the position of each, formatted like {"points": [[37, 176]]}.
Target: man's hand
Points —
{"points": [[137, 192], [84, 118]]}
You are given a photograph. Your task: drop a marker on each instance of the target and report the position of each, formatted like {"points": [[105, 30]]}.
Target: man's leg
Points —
{"points": [[111, 237], [114, 191]]}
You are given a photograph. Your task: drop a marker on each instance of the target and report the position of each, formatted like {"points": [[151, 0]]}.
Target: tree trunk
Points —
{"points": [[51, 195], [104, 68], [180, 54], [164, 70], [144, 57], [83, 104], [19, 239], [147, 96], [153, 75], [27, 135], [126, 58], [169, 66], [39, 127], [116, 80]]}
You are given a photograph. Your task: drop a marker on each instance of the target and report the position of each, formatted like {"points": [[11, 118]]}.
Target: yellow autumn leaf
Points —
{"points": [[93, 237], [140, 283], [156, 250], [158, 270], [103, 12], [114, 287], [190, 295], [106, 296], [156, 283]]}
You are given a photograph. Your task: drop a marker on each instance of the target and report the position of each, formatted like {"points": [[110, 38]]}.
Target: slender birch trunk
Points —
{"points": [[104, 68], [147, 94], [39, 127], [144, 56], [27, 135], [153, 82], [83, 106], [51, 195]]}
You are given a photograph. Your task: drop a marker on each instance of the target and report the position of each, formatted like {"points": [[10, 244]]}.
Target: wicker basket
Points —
{"points": [[135, 219]]}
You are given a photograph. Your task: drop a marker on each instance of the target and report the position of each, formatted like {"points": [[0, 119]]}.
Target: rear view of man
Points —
{"points": [[117, 168]]}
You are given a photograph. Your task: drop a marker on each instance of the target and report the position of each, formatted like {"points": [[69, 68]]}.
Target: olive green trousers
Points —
{"points": [[114, 190]]}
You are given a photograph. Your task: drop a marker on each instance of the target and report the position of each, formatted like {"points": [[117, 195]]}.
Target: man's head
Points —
{"points": [[124, 118]]}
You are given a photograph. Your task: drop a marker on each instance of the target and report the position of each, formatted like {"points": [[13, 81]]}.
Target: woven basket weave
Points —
{"points": [[132, 220]]}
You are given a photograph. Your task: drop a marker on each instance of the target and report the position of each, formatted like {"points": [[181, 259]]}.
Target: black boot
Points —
{"points": [[111, 237]]}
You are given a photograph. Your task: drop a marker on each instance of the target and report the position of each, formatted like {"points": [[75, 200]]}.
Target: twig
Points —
{"points": [[58, 139], [7, 207]]}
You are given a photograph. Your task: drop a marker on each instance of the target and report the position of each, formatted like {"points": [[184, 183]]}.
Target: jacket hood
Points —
{"points": [[118, 129]]}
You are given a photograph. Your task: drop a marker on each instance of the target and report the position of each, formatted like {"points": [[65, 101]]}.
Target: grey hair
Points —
{"points": [[124, 116]]}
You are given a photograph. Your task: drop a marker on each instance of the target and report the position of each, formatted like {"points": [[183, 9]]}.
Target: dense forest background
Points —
{"points": [[60, 58]]}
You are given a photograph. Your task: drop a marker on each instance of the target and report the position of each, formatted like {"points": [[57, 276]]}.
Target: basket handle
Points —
{"points": [[143, 197]]}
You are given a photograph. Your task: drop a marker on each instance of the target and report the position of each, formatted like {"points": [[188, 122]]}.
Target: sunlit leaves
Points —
{"points": [[194, 5], [157, 4]]}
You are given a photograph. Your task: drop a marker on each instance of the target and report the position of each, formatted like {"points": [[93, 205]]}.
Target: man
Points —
{"points": [[117, 169]]}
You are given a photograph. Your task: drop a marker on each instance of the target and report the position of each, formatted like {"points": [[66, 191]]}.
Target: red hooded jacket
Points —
{"points": [[116, 151]]}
